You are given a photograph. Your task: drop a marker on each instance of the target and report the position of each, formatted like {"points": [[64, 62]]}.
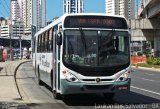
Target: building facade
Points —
{"points": [[34, 13], [12, 30], [3, 21], [29, 12], [73, 6], [125, 8], [4, 28], [145, 2], [16, 9]]}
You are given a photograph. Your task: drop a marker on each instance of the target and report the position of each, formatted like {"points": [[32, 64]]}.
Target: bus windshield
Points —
{"points": [[96, 48]]}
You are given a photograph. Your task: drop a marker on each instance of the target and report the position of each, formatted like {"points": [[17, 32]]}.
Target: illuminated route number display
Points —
{"points": [[95, 22]]}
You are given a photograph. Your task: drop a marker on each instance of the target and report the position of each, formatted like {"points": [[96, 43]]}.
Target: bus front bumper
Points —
{"points": [[80, 88]]}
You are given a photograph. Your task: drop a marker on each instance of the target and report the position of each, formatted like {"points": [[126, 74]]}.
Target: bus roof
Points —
{"points": [[61, 19]]}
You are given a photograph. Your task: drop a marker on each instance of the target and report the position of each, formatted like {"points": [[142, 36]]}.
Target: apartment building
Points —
{"points": [[73, 6], [125, 8], [30, 12]]}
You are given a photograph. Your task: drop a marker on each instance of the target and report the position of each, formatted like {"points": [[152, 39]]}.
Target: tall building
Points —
{"points": [[73, 6], [30, 12], [16, 9], [132, 9], [125, 8], [7, 28], [34, 13], [27, 12], [41, 14]]}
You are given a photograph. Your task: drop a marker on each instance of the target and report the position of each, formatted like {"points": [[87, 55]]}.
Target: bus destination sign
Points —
{"points": [[95, 22]]}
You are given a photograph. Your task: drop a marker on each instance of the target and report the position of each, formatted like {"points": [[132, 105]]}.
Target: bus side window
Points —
{"points": [[43, 43], [40, 47], [34, 41], [50, 40], [39, 44], [47, 42]]}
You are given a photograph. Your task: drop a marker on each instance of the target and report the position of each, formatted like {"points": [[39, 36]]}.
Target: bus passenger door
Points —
{"points": [[56, 74]]}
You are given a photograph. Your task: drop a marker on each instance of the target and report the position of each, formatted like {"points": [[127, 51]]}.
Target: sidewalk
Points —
{"points": [[8, 89], [146, 68], [3, 64]]}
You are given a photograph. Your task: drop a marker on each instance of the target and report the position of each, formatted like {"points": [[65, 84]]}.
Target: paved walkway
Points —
{"points": [[7, 67], [145, 68], [8, 89]]}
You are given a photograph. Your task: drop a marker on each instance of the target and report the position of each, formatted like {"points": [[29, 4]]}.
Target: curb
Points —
{"points": [[145, 68], [15, 74], [10, 90]]}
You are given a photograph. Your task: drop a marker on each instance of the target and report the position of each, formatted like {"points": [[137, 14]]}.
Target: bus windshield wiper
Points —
{"points": [[83, 39]]}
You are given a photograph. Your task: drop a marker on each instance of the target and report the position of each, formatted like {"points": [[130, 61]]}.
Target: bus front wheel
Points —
{"points": [[56, 95]]}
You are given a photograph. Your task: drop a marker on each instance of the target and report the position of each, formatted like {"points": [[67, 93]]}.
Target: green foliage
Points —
{"points": [[153, 61]]}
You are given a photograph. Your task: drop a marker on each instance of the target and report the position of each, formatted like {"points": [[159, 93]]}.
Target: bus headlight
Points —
{"points": [[124, 76], [70, 77]]}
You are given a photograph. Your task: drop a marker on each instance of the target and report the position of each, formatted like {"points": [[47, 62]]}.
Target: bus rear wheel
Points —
{"points": [[56, 95], [109, 96]]}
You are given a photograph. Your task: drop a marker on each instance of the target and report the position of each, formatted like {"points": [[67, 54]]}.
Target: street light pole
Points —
{"points": [[20, 45], [10, 40], [10, 47]]}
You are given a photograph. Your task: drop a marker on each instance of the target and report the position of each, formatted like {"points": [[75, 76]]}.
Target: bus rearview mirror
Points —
{"points": [[59, 38]]}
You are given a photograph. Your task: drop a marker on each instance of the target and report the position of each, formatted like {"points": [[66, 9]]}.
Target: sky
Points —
{"points": [[55, 7]]}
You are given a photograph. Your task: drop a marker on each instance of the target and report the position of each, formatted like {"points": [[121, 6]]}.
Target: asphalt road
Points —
{"points": [[145, 93]]}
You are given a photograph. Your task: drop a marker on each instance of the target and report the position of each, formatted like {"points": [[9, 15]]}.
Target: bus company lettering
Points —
{"points": [[45, 63], [43, 56]]}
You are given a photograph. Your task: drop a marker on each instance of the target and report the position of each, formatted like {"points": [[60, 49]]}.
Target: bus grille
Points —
{"points": [[92, 80], [97, 87]]}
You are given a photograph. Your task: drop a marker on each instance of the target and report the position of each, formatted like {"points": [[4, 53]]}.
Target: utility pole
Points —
{"points": [[10, 41], [10, 46], [20, 40], [33, 32]]}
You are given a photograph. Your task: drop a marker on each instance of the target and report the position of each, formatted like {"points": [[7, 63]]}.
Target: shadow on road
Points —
{"points": [[135, 98], [131, 98], [5, 105], [124, 99]]}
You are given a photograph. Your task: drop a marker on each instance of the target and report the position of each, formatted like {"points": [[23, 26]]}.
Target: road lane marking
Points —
{"points": [[149, 74], [146, 79], [146, 90]]}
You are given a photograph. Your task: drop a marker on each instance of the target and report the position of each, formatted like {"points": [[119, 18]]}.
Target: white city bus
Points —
{"points": [[84, 53]]}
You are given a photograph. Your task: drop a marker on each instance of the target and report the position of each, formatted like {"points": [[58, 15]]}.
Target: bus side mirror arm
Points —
{"points": [[59, 38]]}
